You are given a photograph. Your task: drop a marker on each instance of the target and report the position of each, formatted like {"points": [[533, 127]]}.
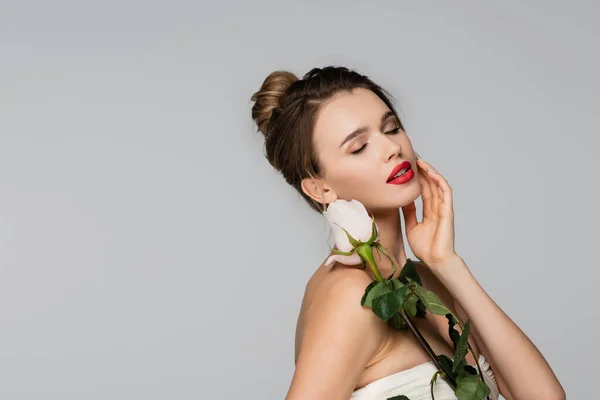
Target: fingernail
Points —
{"points": [[417, 154]]}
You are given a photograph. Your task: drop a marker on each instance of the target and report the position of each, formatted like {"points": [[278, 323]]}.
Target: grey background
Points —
{"points": [[149, 251]]}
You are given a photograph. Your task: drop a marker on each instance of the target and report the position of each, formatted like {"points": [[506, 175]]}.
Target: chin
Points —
{"points": [[383, 200], [407, 196]]}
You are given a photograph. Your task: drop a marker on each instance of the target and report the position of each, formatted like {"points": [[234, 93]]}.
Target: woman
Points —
{"points": [[334, 134]]}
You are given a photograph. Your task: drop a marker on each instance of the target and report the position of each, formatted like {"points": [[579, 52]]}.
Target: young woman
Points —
{"points": [[335, 134]]}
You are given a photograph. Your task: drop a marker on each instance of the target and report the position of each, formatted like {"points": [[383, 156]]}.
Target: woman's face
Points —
{"points": [[358, 165]]}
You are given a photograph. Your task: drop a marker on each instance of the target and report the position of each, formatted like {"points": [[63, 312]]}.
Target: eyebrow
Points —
{"points": [[363, 129]]}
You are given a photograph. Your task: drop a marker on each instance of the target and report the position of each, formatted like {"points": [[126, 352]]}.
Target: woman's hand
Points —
{"points": [[432, 239]]}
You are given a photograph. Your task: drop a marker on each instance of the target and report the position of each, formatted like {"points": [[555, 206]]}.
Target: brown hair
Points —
{"points": [[285, 111]]}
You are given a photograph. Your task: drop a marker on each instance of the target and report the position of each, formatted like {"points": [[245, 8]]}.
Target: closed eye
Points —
{"points": [[392, 132]]}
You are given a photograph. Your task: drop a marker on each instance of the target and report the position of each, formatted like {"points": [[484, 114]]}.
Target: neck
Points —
{"points": [[390, 237]]}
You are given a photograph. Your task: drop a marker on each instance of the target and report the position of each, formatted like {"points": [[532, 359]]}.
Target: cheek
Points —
{"points": [[405, 143], [356, 180]]}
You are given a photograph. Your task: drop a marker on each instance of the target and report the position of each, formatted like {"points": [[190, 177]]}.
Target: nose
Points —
{"points": [[392, 149]]}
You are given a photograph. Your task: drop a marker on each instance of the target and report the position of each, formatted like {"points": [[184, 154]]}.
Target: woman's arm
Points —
{"points": [[431, 282], [340, 336], [520, 368]]}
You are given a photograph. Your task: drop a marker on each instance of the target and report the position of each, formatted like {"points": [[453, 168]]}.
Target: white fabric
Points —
{"points": [[414, 383]]}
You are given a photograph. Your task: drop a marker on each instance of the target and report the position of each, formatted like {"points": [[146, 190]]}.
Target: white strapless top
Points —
{"points": [[414, 383]]}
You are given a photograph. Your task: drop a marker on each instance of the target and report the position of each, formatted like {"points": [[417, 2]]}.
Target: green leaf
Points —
{"points": [[446, 363], [421, 309], [462, 348], [431, 301], [378, 289], [410, 305], [386, 305], [373, 231], [397, 322], [470, 387], [401, 293], [396, 284], [401, 397], [470, 369], [434, 377], [409, 270], [367, 290], [458, 364], [453, 333]]}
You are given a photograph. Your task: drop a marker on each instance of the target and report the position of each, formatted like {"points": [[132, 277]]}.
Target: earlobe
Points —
{"points": [[318, 190]]}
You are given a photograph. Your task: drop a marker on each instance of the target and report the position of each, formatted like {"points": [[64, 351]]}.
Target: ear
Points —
{"points": [[318, 190]]}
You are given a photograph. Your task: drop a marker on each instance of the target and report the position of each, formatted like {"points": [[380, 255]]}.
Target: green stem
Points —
{"points": [[426, 345], [383, 251], [366, 253], [472, 352], [433, 382], [478, 367]]}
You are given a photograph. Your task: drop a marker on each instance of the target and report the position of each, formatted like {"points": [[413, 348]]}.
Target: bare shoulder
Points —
{"points": [[327, 281], [336, 335], [338, 289]]}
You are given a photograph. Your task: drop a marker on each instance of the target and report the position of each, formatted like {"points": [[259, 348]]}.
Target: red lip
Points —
{"points": [[404, 164]]}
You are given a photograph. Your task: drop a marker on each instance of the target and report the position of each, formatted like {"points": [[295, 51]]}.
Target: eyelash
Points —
{"points": [[393, 132]]}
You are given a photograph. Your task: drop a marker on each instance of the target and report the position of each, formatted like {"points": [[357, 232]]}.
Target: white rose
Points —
{"points": [[353, 217]]}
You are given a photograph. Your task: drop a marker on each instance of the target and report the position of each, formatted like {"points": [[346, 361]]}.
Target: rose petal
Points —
{"points": [[358, 206], [341, 239], [353, 259], [353, 217]]}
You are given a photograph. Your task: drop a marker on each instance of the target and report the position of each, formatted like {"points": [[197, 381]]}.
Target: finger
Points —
{"points": [[443, 187], [410, 215], [429, 168], [423, 166], [426, 195], [432, 185]]}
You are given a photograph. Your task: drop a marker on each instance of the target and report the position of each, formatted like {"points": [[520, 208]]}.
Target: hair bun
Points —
{"points": [[269, 97]]}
